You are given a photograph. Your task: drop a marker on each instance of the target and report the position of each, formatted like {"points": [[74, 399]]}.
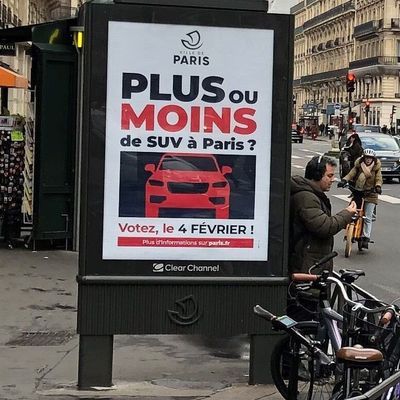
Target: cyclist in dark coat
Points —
{"points": [[312, 226], [354, 147]]}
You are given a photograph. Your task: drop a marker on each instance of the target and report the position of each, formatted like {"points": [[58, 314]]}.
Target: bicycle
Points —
{"points": [[288, 325], [326, 327], [354, 358], [354, 230]]}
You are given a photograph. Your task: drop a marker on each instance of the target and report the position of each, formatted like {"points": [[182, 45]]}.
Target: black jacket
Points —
{"points": [[312, 226]]}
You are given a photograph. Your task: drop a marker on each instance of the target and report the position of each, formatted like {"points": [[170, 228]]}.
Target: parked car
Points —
{"points": [[182, 184], [387, 150], [297, 136], [397, 139]]}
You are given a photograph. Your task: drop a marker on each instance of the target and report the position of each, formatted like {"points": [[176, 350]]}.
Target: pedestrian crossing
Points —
{"points": [[312, 151], [298, 166], [382, 197]]}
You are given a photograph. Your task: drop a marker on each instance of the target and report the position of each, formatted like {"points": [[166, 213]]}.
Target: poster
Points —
{"points": [[188, 142]]}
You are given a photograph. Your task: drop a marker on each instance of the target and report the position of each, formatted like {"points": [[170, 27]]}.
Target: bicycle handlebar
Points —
{"points": [[262, 312], [336, 279], [362, 192], [323, 260], [347, 299], [279, 324]]}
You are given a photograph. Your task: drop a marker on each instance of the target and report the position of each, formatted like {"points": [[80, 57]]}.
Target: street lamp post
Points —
{"points": [[367, 80], [294, 109], [315, 109], [338, 84]]}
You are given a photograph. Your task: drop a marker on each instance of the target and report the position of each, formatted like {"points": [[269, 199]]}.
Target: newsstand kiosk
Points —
{"points": [[185, 173]]}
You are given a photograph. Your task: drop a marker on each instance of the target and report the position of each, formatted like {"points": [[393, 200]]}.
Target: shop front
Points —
{"points": [[37, 155]]}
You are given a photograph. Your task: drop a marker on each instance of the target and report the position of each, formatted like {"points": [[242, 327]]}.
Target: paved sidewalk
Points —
{"points": [[39, 346]]}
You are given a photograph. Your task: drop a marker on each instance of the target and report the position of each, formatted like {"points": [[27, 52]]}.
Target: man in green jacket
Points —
{"points": [[312, 226]]}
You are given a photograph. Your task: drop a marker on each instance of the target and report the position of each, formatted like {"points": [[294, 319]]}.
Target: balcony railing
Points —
{"points": [[370, 28], [380, 60], [323, 76], [334, 12]]}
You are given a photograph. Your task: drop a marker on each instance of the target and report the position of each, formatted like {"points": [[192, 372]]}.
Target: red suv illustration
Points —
{"points": [[187, 181]]}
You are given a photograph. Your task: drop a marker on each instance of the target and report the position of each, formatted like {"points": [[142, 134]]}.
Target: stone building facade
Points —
{"points": [[15, 13], [334, 37]]}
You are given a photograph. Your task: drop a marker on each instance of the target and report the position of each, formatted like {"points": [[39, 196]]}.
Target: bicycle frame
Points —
{"points": [[354, 230], [331, 319], [358, 226], [374, 393]]}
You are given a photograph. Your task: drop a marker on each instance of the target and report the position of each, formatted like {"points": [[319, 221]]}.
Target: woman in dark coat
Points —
{"points": [[351, 151], [354, 147]]}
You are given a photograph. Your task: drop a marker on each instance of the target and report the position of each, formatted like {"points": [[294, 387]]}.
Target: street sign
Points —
{"points": [[7, 48]]}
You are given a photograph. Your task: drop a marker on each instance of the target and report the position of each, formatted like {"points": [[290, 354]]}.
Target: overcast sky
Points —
{"points": [[283, 6]]}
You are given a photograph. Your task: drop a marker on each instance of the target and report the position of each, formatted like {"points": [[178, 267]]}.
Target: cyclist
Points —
{"points": [[312, 226], [366, 175], [351, 151]]}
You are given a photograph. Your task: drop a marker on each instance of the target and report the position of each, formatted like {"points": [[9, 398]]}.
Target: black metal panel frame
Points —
{"points": [[95, 18]]}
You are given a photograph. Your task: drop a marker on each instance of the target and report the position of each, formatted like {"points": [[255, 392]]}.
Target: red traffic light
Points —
{"points": [[351, 77], [350, 82]]}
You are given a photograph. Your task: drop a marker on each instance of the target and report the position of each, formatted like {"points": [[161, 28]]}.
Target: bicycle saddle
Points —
{"points": [[350, 275], [356, 354]]}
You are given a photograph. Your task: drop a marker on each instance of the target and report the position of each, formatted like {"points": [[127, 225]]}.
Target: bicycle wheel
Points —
{"points": [[349, 239], [324, 376]]}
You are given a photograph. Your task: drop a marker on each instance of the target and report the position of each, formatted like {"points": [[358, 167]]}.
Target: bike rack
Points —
{"points": [[374, 393]]}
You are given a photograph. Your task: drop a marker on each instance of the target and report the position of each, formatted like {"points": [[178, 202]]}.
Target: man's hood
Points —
{"points": [[300, 184]]}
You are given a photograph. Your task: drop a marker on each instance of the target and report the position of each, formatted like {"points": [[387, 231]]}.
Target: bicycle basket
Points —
{"points": [[369, 333]]}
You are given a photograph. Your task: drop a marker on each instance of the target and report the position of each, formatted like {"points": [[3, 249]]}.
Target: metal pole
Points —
{"points": [[349, 116], [367, 110]]}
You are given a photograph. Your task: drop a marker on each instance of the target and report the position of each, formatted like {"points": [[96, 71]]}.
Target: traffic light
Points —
{"points": [[350, 82], [352, 119], [393, 109], [366, 107]]}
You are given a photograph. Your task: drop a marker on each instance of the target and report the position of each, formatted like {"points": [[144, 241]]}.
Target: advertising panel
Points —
{"points": [[188, 140]]}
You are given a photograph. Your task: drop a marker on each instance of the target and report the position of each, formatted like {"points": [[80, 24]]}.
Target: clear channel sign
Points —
{"points": [[186, 111]]}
